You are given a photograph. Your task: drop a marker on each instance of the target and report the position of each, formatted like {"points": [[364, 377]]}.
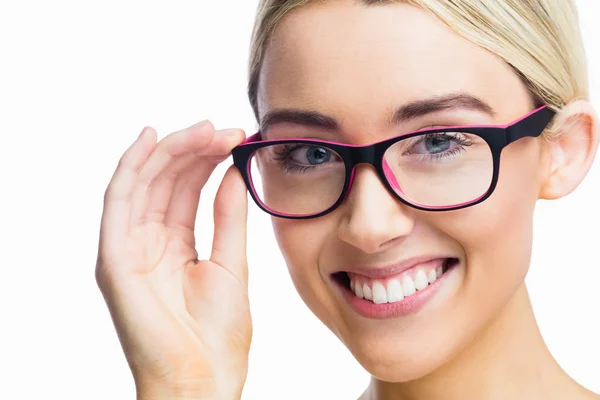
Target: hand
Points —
{"points": [[184, 324]]}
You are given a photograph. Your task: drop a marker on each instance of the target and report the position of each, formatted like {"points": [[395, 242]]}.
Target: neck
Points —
{"points": [[507, 360]]}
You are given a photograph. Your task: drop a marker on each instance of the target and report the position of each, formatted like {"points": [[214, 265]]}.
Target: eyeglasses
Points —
{"points": [[431, 169]]}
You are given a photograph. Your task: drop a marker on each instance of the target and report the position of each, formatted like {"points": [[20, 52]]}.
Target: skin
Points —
{"points": [[187, 343], [356, 64], [477, 338]]}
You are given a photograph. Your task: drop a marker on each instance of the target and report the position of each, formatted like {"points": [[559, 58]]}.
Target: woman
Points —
{"points": [[417, 262]]}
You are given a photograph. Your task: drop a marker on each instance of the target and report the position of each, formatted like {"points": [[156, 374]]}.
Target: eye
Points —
{"points": [[311, 155], [437, 144], [302, 157]]}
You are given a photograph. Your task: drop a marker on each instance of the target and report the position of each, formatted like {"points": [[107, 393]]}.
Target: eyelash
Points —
{"points": [[285, 154], [453, 136]]}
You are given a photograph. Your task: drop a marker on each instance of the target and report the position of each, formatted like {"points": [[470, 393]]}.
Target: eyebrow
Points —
{"points": [[410, 111], [421, 108]]}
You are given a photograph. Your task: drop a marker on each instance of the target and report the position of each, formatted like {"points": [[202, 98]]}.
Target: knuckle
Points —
{"points": [[112, 193], [123, 161], [106, 260], [207, 126], [167, 176], [108, 193], [101, 276]]}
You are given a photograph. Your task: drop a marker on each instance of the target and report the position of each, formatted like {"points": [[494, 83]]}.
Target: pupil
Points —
{"points": [[437, 145], [317, 155]]}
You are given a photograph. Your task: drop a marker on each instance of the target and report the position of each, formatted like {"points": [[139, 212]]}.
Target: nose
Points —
{"points": [[373, 218]]}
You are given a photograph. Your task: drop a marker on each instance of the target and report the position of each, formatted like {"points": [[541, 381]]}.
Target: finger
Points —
{"points": [[230, 215], [160, 191], [172, 147], [183, 206], [117, 197], [162, 187]]}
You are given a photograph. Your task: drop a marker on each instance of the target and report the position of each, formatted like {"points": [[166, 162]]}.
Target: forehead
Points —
{"points": [[357, 63]]}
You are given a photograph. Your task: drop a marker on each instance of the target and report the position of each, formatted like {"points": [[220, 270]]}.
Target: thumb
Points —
{"points": [[230, 221]]}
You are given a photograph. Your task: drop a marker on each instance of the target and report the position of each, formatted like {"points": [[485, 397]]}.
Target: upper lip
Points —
{"points": [[393, 269]]}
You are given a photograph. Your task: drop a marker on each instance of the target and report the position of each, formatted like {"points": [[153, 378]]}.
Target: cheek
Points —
{"points": [[497, 234], [301, 243]]}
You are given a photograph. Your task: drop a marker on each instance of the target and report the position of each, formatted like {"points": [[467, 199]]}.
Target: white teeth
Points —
{"points": [[367, 292], [397, 289], [379, 293], [358, 290], [421, 279], [431, 276], [408, 286], [394, 291]]}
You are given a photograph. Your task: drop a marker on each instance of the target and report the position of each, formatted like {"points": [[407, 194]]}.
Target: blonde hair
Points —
{"points": [[540, 39]]}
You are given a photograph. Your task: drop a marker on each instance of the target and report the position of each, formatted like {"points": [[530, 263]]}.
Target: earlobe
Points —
{"points": [[571, 150]]}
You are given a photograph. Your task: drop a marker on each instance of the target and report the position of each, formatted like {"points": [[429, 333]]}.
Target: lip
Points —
{"points": [[392, 270], [409, 305]]}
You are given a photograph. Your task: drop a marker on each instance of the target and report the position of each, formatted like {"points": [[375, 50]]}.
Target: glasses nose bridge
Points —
{"points": [[363, 155]]}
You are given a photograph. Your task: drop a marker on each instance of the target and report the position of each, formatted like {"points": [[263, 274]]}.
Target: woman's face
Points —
{"points": [[357, 65]]}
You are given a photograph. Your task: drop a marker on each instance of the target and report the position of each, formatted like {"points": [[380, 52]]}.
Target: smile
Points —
{"points": [[395, 288], [394, 295]]}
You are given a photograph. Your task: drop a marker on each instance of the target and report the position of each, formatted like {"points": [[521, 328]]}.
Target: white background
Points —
{"points": [[78, 82]]}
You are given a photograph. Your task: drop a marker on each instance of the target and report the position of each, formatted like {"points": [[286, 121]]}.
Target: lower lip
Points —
{"points": [[409, 305]]}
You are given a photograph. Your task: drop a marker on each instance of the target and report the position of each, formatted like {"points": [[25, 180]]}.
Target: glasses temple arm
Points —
{"points": [[532, 125]]}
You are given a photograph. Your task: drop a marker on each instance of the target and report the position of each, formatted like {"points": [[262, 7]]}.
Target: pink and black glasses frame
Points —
{"points": [[496, 136]]}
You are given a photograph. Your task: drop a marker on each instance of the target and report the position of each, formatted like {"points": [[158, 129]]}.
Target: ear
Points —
{"points": [[571, 153]]}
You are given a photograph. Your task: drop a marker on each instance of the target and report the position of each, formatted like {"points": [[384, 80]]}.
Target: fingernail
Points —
{"points": [[230, 132], [200, 124], [142, 133]]}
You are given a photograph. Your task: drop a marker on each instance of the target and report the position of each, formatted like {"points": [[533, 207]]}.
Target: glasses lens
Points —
{"points": [[297, 178], [442, 169]]}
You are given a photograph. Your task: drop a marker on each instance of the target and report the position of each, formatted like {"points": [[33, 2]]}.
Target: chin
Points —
{"points": [[394, 359]]}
